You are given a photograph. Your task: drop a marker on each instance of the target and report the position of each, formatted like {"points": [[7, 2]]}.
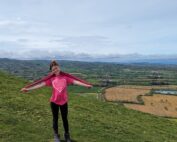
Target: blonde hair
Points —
{"points": [[53, 63]]}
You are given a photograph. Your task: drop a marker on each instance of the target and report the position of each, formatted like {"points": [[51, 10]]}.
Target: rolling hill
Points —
{"points": [[27, 117]]}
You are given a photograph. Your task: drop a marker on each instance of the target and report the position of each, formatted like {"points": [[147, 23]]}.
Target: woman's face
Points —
{"points": [[56, 70]]}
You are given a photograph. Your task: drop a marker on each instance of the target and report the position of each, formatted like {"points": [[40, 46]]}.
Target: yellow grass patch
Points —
{"points": [[124, 94], [161, 105]]}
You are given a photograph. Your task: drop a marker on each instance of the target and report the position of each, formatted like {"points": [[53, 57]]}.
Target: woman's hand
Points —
{"points": [[24, 90], [89, 86]]}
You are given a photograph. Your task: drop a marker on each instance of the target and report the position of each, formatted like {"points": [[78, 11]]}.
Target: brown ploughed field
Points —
{"points": [[157, 104]]}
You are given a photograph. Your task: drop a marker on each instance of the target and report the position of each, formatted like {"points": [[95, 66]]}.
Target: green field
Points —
{"points": [[27, 117], [101, 74]]}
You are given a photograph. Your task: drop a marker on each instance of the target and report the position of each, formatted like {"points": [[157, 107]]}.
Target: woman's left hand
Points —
{"points": [[89, 86], [24, 90]]}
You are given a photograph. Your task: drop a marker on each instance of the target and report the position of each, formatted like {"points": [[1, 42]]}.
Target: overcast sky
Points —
{"points": [[30, 28]]}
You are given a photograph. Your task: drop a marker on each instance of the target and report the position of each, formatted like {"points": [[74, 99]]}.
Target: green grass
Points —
{"points": [[27, 117]]}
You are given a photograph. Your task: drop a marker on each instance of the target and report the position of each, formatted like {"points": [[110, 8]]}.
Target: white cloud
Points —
{"points": [[91, 27]]}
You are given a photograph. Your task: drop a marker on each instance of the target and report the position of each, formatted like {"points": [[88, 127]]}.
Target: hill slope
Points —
{"points": [[27, 118]]}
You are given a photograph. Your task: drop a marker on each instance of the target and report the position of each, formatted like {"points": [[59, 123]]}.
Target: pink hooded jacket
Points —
{"points": [[59, 93]]}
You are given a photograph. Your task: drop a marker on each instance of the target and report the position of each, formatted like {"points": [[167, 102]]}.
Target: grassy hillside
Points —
{"points": [[27, 117]]}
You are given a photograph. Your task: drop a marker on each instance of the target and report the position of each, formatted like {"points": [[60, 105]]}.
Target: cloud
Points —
{"points": [[10, 23], [76, 44], [30, 48], [8, 45], [28, 54], [80, 44], [20, 27], [91, 27]]}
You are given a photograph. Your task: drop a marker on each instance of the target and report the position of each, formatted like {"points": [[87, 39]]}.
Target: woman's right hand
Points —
{"points": [[24, 90], [89, 86]]}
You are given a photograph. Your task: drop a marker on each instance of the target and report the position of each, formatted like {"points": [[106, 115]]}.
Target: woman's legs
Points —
{"points": [[64, 114], [55, 109]]}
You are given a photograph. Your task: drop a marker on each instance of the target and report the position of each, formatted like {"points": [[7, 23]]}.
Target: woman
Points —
{"points": [[59, 98]]}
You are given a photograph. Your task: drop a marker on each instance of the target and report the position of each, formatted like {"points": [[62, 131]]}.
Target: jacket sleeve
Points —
{"points": [[69, 80], [48, 82]]}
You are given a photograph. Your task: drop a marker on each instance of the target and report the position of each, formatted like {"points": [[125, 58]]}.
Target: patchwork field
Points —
{"points": [[141, 98], [120, 94], [161, 105], [27, 117]]}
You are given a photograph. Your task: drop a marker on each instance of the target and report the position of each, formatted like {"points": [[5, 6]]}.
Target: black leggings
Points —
{"points": [[64, 114]]}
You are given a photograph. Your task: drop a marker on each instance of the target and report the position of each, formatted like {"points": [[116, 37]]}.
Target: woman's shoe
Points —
{"points": [[56, 138], [67, 137]]}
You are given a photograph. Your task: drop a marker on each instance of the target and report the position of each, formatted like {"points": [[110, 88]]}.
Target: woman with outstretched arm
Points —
{"points": [[59, 81]]}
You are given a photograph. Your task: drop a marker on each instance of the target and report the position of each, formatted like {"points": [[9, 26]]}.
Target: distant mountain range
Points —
{"points": [[116, 58], [130, 58]]}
